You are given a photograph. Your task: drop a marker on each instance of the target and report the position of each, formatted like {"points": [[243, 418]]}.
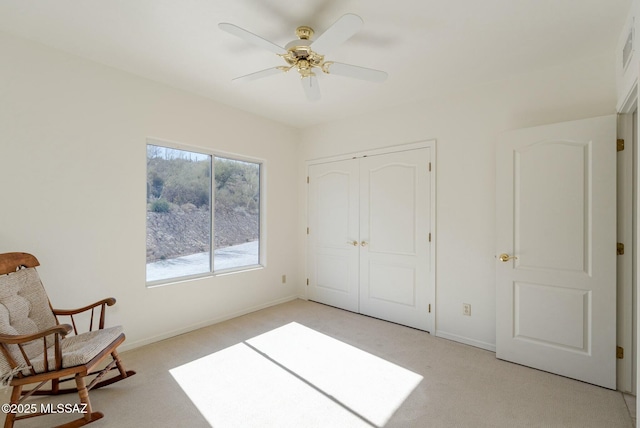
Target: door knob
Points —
{"points": [[364, 243], [354, 243], [504, 257]]}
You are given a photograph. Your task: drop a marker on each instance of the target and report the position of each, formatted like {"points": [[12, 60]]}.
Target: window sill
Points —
{"points": [[180, 280]]}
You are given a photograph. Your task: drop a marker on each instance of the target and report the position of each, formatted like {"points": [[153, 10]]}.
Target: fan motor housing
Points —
{"points": [[299, 54]]}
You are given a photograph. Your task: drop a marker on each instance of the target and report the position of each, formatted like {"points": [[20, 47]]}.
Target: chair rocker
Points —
{"points": [[36, 349]]}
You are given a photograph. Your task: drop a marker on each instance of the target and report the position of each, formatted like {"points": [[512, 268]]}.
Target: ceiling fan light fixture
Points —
{"points": [[299, 55]]}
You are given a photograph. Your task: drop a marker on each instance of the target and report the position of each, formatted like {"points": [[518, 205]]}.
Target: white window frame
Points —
{"points": [[262, 256]]}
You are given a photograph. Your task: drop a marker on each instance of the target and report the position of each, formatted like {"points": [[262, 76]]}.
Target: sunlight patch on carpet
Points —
{"points": [[294, 376]]}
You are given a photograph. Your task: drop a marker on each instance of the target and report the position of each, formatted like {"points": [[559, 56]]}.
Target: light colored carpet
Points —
{"points": [[334, 384], [302, 364]]}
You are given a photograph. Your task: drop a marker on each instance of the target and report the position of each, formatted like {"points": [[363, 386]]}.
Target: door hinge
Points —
{"points": [[429, 307], [619, 352], [429, 166], [307, 281], [429, 236], [620, 144], [307, 230], [620, 249], [307, 179]]}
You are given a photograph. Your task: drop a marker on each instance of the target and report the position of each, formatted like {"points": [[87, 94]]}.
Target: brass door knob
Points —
{"points": [[504, 257], [354, 243], [364, 243]]}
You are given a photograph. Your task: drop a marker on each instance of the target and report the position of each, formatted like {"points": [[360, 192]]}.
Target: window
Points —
{"points": [[237, 213], [184, 188]]}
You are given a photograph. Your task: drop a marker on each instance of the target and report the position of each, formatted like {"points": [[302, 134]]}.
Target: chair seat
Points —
{"points": [[80, 349]]}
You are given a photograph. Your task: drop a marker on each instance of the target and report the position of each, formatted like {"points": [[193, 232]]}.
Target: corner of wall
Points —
{"points": [[626, 57]]}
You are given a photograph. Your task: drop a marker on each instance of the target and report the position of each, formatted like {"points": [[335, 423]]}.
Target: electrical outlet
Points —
{"points": [[466, 309], [284, 279]]}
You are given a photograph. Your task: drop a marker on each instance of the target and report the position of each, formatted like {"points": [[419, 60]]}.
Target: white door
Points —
{"points": [[369, 228], [556, 218], [394, 233], [334, 235]]}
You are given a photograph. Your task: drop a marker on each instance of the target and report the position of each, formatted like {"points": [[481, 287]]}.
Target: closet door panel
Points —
{"points": [[394, 229], [333, 230]]}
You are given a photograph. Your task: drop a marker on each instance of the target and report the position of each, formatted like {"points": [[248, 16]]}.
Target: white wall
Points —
{"points": [[72, 168], [465, 125], [72, 156]]}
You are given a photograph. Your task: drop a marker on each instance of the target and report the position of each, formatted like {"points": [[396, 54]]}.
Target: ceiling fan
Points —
{"points": [[304, 54]]}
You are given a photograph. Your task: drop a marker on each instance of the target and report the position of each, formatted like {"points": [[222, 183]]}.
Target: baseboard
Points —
{"points": [[132, 345], [477, 343]]}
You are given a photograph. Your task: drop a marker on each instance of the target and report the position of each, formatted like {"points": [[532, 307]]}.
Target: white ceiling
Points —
{"points": [[427, 46]]}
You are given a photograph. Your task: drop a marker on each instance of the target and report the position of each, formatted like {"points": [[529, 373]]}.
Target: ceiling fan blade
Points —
{"points": [[311, 88], [355, 71], [258, 75], [341, 30], [251, 38]]}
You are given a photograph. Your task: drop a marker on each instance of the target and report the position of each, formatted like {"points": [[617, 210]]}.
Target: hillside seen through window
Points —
{"points": [[184, 188]]}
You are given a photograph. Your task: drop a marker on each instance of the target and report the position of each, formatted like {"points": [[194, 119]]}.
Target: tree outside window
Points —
{"points": [[184, 187]]}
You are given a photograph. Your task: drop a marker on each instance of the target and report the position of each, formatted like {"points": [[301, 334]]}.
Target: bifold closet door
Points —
{"points": [[369, 249], [394, 234], [333, 234]]}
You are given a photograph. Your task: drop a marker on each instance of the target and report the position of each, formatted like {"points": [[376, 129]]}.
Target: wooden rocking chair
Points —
{"points": [[37, 349]]}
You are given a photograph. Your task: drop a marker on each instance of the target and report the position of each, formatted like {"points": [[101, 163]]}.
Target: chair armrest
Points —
{"points": [[62, 329], [20, 340], [109, 302], [102, 304]]}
